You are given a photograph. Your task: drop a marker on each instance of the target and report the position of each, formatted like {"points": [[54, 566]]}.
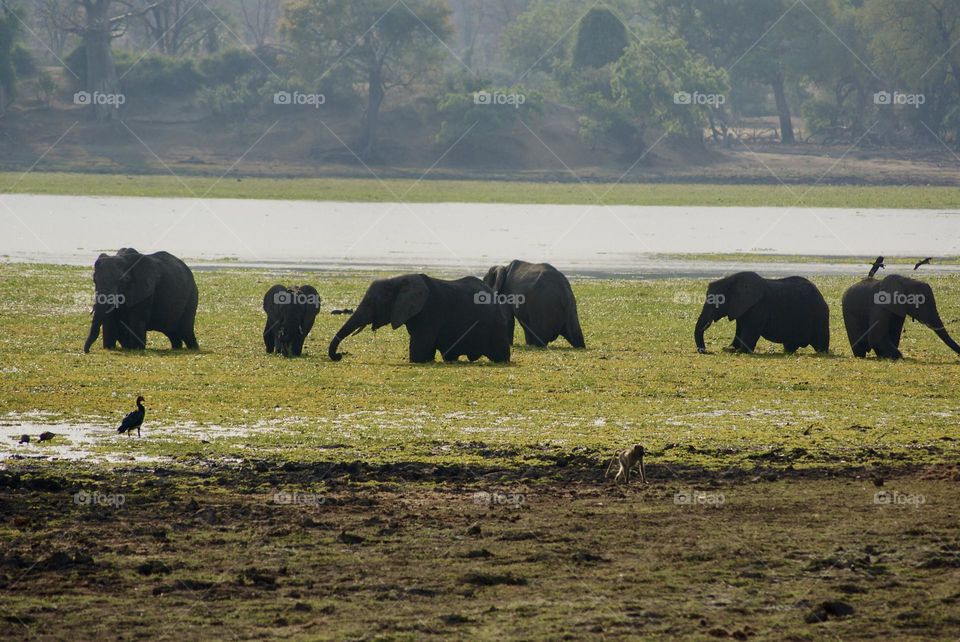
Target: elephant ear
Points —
{"points": [[143, 277], [895, 292], [500, 278], [411, 296], [744, 293]]}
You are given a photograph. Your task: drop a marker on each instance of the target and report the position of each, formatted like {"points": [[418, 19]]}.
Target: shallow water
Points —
{"points": [[471, 237]]}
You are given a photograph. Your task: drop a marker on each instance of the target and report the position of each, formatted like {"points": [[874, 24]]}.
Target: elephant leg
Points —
{"points": [[790, 348], [423, 347], [896, 330], [269, 340], [532, 339], [191, 340], [137, 329], [176, 342], [297, 348], [879, 337], [746, 339]]}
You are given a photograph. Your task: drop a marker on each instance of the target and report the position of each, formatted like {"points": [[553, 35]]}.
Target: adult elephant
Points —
{"points": [[542, 301], [138, 292], [874, 311], [457, 318], [789, 311], [290, 316]]}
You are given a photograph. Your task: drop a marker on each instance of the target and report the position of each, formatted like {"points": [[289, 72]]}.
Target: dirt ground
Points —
{"points": [[406, 552]]}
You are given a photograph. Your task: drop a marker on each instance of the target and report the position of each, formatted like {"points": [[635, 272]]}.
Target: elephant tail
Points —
{"points": [[572, 331]]}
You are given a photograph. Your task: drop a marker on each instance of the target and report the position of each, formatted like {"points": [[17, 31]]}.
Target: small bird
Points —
{"points": [[46, 436], [877, 265], [133, 420], [24, 439], [925, 261]]}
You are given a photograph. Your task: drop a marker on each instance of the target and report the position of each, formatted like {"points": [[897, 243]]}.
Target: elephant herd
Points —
{"points": [[137, 293], [793, 312]]}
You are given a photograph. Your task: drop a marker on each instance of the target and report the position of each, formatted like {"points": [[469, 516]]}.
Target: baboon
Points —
{"points": [[628, 459]]}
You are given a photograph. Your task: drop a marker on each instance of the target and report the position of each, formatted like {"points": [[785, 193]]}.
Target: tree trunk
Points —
{"points": [[783, 109], [375, 94], [101, 72]]}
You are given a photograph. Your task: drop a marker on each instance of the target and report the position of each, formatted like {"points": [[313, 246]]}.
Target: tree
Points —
{"points": [[762, 41], [176, 27], [260, 19], [9, 30], [381, 44], [601, 39], [915, 44], [665, 89]]}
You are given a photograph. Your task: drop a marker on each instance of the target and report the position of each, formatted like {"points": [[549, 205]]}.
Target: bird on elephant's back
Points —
{"points": [[874, 312], [789, 311], [455, 318], [541, 300], [136, 293]]}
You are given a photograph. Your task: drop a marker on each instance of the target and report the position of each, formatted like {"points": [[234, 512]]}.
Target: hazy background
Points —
{"points": [[835, 91]]}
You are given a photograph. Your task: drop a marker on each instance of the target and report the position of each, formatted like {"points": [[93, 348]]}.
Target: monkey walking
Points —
{"points": [[628, 460]]}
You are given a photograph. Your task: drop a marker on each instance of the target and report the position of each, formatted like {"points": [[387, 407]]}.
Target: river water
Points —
{"points": [[583, 239]]}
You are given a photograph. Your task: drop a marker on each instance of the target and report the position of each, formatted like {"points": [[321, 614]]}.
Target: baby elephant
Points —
{"points": [[290, 315]]}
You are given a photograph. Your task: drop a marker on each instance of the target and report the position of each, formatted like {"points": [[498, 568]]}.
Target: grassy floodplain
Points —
{"points": [[465, 191]]}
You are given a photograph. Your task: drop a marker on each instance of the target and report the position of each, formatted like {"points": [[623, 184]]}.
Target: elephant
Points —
{"points": [[790, 311], [542, 301], [874, 311], [457, 318], [290, 316], [138, 292]]}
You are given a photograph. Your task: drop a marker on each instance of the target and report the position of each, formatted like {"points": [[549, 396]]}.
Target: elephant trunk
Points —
{"points": [[704, 322], [95, 325], [946, 338], [357, 322]]}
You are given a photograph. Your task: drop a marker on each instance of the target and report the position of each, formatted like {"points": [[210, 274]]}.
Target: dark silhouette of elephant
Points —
{"points": [[874, 311], [456, 318], [541, 299], [136, 293], [290, 316], [790, 311]]}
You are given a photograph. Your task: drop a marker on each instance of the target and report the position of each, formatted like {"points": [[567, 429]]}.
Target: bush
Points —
{"points": [[46, 87], [233, 101], [23, 61], [156, 74], [486, 112]]}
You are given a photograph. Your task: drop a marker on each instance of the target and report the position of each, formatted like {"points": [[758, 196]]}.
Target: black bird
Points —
{"points": [[46, 436], [877, 265], [133, 420], [24, 439], [925, 261]]}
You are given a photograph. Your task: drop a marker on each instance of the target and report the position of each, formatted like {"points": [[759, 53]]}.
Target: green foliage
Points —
{"points": [[46, 87], [9, 33], [23, 61], [540, 38], [648, 85], [233, 101], [601, 39], [479, 115]]}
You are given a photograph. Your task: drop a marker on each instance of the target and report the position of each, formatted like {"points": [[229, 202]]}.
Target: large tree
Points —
{"points": [[9, 29], [382, 44]]}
